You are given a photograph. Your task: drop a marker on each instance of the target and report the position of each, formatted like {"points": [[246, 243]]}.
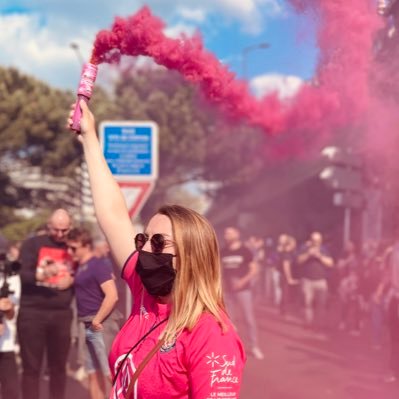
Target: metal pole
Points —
{"points": [[83, 168], [76, 48], [347, 224], [82, 189], [244, 62], [246, 51]]}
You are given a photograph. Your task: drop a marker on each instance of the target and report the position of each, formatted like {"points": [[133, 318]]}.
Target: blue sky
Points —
{"points": [[36, 36]]}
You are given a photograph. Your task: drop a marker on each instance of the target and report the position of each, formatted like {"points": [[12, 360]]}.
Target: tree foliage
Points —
{"points": [[196, 144], [33, 134], [32, 118]]}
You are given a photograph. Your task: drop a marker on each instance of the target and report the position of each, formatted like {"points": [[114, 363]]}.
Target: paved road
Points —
{"points": [[302, 364]]}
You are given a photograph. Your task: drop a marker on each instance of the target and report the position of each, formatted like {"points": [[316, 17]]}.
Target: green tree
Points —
{"points": [[33, 134], [196, 143]]}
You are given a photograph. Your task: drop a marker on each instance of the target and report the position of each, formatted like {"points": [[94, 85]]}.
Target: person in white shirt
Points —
{"points": [[10, 292]]}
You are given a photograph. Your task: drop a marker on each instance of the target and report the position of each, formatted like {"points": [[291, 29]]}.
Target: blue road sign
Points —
{"points": [[130, 149]]}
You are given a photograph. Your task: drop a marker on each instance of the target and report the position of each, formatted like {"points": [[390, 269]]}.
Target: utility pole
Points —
{"points": [[246, 51], [83, 167], [74, 46], [343, 173]]}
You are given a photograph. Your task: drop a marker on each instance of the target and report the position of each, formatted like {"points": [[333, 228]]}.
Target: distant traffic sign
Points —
{"points": [[136, 195], [130, 149]]}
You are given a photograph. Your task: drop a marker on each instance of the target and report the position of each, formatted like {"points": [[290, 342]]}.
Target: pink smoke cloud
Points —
{"points": [[339, 93]]}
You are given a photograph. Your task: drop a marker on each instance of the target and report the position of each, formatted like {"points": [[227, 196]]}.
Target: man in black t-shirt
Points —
{"points": [[239, 271], [44, 319], [285, 266], [314, 262]]}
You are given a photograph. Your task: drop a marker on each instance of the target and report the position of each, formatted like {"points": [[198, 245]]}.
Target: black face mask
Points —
{"points": [[156, 272]]}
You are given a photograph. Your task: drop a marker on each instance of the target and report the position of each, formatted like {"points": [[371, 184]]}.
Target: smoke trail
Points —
{"points": [[345, 38], [337, 95]]}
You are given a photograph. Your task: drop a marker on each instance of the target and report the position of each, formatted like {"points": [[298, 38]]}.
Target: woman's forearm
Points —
{"points": [[109, 202]]}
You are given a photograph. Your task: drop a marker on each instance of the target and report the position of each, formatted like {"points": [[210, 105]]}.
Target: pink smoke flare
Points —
{"points": [[337, 95]]}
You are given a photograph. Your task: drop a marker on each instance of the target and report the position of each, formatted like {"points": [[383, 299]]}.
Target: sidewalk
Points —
{"points": [[303, 364]]}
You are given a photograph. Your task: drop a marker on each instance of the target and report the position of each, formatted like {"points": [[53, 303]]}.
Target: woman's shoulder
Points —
{"points": [[209, 329], [208, 320], [209, 339], [130, 265]]}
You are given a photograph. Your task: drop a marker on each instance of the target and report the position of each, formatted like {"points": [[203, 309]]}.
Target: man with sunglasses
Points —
{"points": [[45, 315], [96, 296]]}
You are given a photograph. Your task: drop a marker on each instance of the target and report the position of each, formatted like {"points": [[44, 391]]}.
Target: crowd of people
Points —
{"points": [[193, 296], [64, 294], [355, 292], [67, 287], [58, 288]]}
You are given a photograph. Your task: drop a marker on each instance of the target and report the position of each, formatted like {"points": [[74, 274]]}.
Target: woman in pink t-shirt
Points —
{"points": [[178, 341]]}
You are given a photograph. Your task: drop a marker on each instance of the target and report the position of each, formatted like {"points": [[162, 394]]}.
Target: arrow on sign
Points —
{"points": [[136, 194]]}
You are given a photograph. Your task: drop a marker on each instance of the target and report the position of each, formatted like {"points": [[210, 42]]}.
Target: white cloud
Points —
{"points": [[37, 40], [39, 50], [23, 38], [285, 85], [192, 14], [251, 14], [245, 8], [177, 30]]}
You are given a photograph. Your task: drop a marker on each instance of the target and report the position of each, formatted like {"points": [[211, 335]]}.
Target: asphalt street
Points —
{"points": [[304, 364]]}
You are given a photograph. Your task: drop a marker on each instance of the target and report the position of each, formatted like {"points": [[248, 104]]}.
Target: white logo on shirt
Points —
{"points": [[213, 359], [222, 369], [143, 312]]}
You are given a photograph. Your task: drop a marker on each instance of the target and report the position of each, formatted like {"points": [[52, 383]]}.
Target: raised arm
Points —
{"points": [[109, 203], [327, 260], [303, 257]]}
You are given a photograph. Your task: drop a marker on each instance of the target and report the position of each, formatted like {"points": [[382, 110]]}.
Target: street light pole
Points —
{"points": [[347, 225], [75, 47], [83, 168], [246, 51]]}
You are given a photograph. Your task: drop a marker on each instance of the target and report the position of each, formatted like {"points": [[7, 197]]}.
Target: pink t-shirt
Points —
{"points": [[202, 364]]}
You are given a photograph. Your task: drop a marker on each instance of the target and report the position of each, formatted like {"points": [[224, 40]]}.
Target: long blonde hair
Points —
{"points": [[198, 287]]}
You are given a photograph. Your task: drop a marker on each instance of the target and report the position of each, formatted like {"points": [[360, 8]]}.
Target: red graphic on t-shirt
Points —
{"points": [[59, 261], [120, 388]]}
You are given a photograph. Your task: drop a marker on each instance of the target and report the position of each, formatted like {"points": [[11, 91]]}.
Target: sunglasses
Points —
{"points": [[157, 242], [73, 248], [62, 231]]}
